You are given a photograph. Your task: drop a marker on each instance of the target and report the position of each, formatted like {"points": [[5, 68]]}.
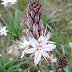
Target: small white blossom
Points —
{"points": [[8, 2], [0, 55], [10, 51], [52, 59], [3, 31], [70, 44], [39, 49], [41, 38], [10, 59], [51, 71], [23, 43]]}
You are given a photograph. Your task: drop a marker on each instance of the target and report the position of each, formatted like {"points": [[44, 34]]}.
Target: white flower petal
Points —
{"points": [[32, 50], [4, 28], [0, 55], [23, 54], [41, 38], [51, 71], [48, 47], [51, 57], [1, 33], [53, 60], [46, 39], [45, 54], [51, 42], [5, 33], [37, 57], [33, 42]]}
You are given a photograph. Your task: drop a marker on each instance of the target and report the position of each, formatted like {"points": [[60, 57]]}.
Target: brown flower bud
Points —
{"points": [[29, 23], [29, 34], [35, 29], [40, 25], [36, 18], [32, 14]]}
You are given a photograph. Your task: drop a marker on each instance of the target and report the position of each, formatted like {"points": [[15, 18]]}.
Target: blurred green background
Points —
{"points": [[58, 19]]}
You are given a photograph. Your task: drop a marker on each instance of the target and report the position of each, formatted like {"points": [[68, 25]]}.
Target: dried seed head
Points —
{"points": [[62, 63], [34, 14]]}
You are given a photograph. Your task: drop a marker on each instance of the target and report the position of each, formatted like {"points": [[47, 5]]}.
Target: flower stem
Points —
{"points": [[46, 67]]}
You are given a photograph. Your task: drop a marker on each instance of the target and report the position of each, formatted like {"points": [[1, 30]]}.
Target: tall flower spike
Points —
{"points": [[34, 14]]}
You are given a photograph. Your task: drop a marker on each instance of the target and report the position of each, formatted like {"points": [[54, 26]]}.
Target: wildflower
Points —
{"points": [[52, 59], [23, 43], [10, 59], [51, 71], [60, 9], [8, 52], [8, 2], [0, 55], [70, 44], [42, 37], [3, 31], [39, 49]]}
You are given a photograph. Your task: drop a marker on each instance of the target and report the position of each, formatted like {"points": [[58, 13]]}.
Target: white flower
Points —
{"points": [[0, 55], [23, 43], [51, 71], [39, 49], [70, 44], [8, 2], [52, 59], [3, 31], [10, 59], [41, 38]]}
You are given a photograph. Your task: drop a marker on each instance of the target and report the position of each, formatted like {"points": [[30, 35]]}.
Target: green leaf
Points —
{"points": [[49, 27]]}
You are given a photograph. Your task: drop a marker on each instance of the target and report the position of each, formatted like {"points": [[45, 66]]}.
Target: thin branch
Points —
{"points": [[2, 21], [46, 67], [17, 10]]}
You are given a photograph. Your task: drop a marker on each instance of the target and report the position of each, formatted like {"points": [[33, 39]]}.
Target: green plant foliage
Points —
{"points": [[13, 24]]}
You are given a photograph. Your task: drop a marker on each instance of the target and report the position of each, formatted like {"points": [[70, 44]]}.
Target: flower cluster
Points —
{"points": [[39, 48], [3, 31], [8, 2]]}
